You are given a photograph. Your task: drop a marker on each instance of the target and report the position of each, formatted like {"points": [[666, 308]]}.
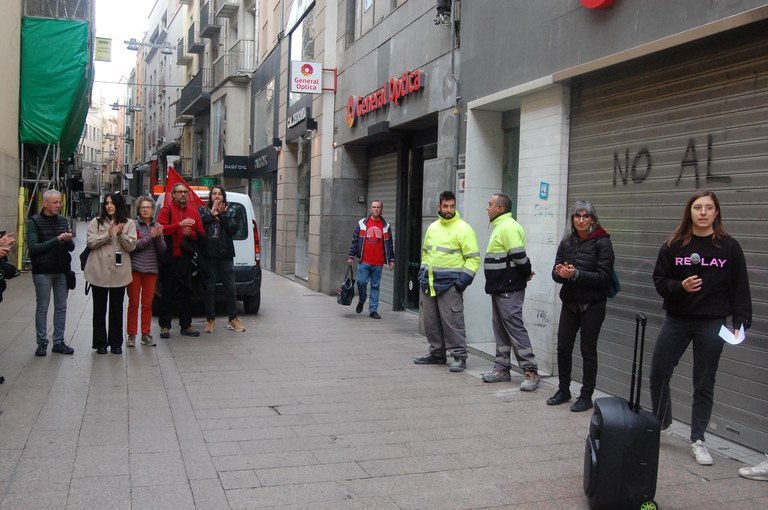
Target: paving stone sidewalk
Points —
{"points": [[314, 406]]}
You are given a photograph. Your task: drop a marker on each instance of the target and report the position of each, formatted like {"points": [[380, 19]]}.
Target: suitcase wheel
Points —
{"points": [[649, 505]]}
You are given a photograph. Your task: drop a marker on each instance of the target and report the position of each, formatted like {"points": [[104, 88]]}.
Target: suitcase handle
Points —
{"points": [[637, 370]]}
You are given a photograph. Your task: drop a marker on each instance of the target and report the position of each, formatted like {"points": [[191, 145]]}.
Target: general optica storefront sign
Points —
{"points": [[391, 92], [306, 77]]}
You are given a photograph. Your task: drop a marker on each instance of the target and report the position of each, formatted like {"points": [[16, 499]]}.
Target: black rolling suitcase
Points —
{"points": [[621, 459]]}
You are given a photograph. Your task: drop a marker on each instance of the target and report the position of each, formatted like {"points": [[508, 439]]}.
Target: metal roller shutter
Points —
{"points": [[382, 185], [644, 136]]}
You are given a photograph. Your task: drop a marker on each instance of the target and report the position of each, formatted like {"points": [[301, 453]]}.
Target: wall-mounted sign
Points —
{"points": [[597, 4], [236, 167], [544, 190], [102, 50], [306, 77], [298, 116], [391, 92], [264, 161]]}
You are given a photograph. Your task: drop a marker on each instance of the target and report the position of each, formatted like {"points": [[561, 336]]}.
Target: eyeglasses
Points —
{"points": [[183, 192], [582, 217]]}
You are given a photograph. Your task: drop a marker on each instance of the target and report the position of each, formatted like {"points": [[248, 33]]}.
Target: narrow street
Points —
{"points": [[313, 407]]}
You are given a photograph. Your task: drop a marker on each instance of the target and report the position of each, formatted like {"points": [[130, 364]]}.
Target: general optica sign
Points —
{"points": [[390, 92], [306, 77]]}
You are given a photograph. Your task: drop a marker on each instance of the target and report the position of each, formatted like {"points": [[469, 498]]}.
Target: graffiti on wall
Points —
{"points": [[638, 168]]}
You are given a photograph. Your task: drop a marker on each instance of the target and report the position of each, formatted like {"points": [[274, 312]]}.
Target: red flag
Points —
{"points": [[173, 179]]}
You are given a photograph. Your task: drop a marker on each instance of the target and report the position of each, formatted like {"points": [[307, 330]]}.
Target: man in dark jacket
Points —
{"points": [[49, 240], [372, 245]]}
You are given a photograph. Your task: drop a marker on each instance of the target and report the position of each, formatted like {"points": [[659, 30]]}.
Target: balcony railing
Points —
{"points": [[184, 168], [60, 9], [227, 8], [196, 95], [196, 45], [183, 57], [208, 27], [237, 63]]}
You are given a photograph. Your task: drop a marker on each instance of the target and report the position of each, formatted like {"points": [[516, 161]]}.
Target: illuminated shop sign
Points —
{"points": [[391, 92], [297, 117], [597, 4]]}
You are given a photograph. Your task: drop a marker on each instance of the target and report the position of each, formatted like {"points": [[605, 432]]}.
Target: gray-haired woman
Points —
{"points": [[583, 265], [149, 244]]}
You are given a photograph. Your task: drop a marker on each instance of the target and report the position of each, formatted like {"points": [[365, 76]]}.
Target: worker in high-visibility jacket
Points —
{"points": [[507, 273], [450, 259]]}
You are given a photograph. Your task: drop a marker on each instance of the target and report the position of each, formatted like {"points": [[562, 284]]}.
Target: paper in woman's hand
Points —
{"points": [[727, 335]]}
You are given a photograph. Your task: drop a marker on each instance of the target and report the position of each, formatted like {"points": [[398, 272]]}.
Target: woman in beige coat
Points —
{"points": [[111, 237]]}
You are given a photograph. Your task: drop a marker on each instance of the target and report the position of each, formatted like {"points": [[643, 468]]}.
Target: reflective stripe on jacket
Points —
{"points": [[449, 256], [506, 265]]}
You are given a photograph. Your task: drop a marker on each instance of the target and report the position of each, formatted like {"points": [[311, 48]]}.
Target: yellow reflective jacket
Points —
{"points": [[449, 256]]}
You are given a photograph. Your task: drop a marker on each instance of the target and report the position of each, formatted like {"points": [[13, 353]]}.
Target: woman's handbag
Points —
{"points": [[347, 290], [614, 287], [84, 257], [71, 280]]}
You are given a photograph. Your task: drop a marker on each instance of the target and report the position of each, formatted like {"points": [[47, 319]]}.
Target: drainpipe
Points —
{"points": [[457, 97]]}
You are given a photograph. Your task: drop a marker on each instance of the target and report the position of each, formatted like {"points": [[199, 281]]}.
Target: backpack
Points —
{"points": [[614, 286]]}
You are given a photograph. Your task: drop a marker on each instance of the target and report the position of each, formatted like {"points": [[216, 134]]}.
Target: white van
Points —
{"points": [[247, 250]]}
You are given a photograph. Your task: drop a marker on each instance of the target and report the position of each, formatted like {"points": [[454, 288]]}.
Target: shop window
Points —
{"points": [[264, 116], [302, 45], [219, 129]]}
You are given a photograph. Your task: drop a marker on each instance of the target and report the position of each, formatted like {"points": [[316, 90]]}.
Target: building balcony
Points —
{"points": [[183, 57], [58, 9], [194, 43], [236, 64], [208, 27], [185, 168], [226, 8], [196, 95]]}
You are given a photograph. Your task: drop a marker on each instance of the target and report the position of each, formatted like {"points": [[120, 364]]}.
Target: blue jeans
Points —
{"points": [[43, 285], [226, 269], [675, 335], [366, 273]]}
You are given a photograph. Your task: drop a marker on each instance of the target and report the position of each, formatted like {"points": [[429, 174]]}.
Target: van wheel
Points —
{"points": [[251, 304]]}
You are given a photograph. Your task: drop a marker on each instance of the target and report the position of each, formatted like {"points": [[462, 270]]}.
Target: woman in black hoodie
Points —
{"points": [[583, 265], [702, 275]]}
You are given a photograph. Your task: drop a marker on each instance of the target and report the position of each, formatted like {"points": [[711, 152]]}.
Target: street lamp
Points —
{"points": [[133, 45], [129, 108]]}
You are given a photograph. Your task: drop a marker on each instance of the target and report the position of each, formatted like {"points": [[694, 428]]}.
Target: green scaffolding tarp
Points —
{"points": [[56, 82]]}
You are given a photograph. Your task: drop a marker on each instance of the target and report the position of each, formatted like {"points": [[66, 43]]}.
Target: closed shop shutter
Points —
{"points": [[644, 136], [382, 185]]}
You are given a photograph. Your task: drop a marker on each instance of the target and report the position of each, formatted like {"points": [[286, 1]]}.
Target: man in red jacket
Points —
{"points": [[179, 222]]}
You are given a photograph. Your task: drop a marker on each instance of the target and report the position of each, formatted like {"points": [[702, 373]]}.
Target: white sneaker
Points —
{"points": [[700, 453], [759, 472]]}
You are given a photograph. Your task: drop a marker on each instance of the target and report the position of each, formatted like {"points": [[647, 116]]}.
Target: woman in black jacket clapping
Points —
{"points": [[220, 222], [583, 265]]}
